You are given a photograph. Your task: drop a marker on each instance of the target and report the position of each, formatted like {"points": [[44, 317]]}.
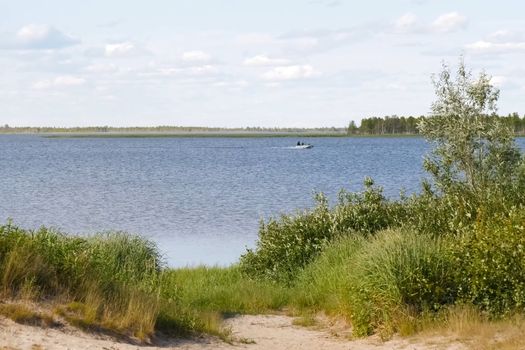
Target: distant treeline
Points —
{"points": [[387, 125], [6, 129], [394, 125]]}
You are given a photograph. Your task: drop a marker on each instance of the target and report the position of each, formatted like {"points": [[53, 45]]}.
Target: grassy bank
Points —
{"points": [[116, 283], [103, 282], [380, 280], [391, 265], [193, 135]]}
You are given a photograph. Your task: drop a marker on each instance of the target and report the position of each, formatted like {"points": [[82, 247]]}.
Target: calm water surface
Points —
{"points": [[200, 199]]}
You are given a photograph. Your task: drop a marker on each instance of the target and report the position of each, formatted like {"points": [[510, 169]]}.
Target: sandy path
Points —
{"points": [[253, 332]]}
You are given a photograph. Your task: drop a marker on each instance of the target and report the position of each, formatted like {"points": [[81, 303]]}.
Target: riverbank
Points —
{"points": [[449, 258], [167, 131], [111, 287], [277, 332], [188, 134]]}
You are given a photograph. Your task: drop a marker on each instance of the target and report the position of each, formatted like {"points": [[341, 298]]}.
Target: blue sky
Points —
{"points": [[243, 63]]}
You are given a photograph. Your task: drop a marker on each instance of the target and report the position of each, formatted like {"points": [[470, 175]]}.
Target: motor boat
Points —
{"points": [[303, 146]]}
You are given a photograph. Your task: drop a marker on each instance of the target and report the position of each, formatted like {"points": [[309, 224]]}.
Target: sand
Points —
{"points": [[273, 332]]}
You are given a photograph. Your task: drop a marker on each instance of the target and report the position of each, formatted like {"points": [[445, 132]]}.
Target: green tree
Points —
{"points": [[352, 128], [474, 150]]}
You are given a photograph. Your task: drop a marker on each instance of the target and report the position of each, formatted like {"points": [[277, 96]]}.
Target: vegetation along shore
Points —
{"points": [[397, 126], [454, 254]]}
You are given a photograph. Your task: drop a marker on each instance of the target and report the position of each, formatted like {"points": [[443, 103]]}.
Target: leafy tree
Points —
{"points": [[474, 150], [352, 128]]}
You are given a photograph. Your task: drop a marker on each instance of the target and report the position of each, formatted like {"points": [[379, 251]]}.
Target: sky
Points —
{"points": [[239, 63]]}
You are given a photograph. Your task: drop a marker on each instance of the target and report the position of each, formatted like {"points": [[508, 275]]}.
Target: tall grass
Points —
{"points": [[340, 260], [379, 283], [225, 290], [396, 276], [116, 283], [324, 285], [112, 277], [202, 297]]}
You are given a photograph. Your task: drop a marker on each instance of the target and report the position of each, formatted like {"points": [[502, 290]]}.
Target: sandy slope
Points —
{"points": [[253, 332]]}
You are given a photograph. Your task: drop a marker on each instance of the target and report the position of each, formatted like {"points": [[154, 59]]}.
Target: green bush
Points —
{"points": [[396, 275], [473, 151], [368, 211], [287, 245], [492, 261], [439, 215]]}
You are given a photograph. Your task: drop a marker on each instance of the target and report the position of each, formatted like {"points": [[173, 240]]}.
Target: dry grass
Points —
{"points": [[114, 275], [470, 327], [306, 320], [25, 314], [95, 316]]}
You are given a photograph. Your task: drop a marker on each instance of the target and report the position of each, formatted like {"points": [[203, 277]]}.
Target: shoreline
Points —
{"points": [[206, 134], [189, 134], [255, 332]]}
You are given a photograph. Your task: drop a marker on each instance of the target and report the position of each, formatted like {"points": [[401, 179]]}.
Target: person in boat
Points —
{"points": [[298, 143]]}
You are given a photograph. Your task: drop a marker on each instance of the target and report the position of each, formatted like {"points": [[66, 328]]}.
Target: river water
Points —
{"points": [[199, 199]]}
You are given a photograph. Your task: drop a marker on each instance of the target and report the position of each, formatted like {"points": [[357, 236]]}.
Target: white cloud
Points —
{"points": [[507, 83], [195, 56], [498, 80], [318, 40], [58, 82], [262, 60], [396, 86], [101, 68], [506, 36], [406, 23], [449, 22], [202, 70], [32, 32], [255, 39], [232, 84], [328, 3], [483, 46], [499, 42], [502, 36], [41, 37], [446, 23], [109, 97], [290, 73], [304, 43], [120, 49]]}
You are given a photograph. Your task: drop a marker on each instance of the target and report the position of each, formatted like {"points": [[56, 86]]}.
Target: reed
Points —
{"points": [[113, 276], [116, 283]]}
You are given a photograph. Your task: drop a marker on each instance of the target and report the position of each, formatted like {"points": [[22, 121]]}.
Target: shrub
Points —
{"points": [[492, 260], [439, 215], [397, 275], [474, 151], [287, 245], [366, 212]]}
